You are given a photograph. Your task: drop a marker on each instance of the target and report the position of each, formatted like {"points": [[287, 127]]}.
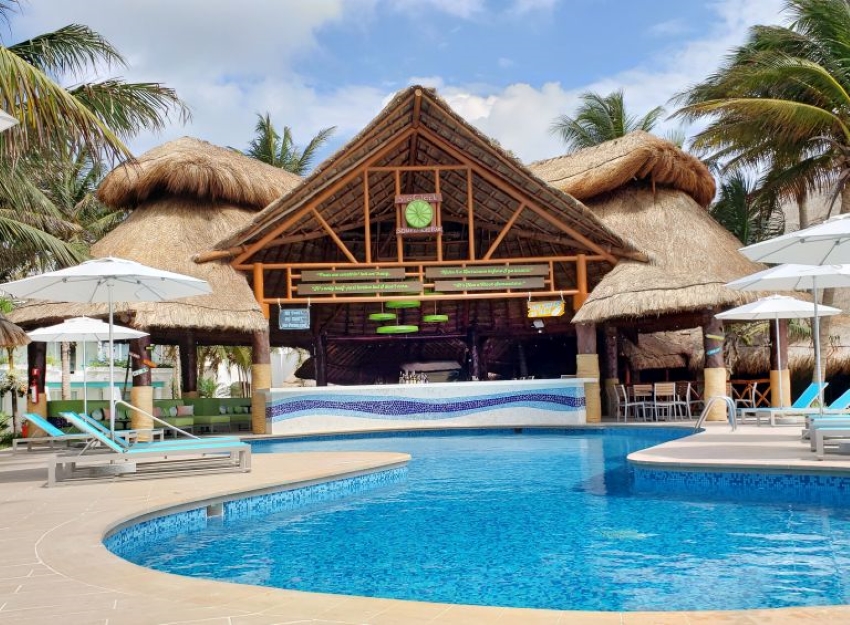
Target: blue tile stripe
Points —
{"points": [[134, 538], [806, 488], [382, 407]]}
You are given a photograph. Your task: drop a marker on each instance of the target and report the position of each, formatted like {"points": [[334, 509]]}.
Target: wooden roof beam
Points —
{"points": [[334, 236], [504, 231], [329, 190], [520, 197]]}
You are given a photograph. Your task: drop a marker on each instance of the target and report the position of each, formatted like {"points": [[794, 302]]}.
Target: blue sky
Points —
{"points": [[510, 67]]}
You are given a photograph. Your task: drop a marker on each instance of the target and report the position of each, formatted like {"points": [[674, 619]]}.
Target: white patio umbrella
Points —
{"points": [[6, 120], [776, 307], [83, 329], [798, 277], [108, 280], [827, 243]]}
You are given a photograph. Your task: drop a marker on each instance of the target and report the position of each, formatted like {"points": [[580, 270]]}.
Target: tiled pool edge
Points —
{"points": [[125, 537], [754, 485]]}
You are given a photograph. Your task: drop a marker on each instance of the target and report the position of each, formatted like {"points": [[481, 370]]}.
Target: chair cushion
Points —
{"points": [[185, 411]]}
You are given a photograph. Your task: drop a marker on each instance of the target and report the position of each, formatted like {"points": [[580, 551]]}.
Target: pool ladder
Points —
{"points": [[731, 411]]}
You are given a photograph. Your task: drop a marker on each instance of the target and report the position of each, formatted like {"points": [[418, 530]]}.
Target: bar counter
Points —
{"points": [[504, 403]]}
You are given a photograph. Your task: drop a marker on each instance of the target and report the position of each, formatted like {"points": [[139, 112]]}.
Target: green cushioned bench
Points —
{"points": [[210, 414]]}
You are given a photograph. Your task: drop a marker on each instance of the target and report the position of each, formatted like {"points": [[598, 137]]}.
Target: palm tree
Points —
{"points": [[751, 213], [280, 150], [91, 118], [599, 119], [781, 103]]}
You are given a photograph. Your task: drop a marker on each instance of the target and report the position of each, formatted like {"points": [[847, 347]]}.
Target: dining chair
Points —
{"points": [[626, 405], [666, 403], [642, 399]]}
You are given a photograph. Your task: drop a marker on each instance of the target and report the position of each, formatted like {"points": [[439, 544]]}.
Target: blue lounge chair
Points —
{"points": [[175, 457], [801, 406], [54, 436]]}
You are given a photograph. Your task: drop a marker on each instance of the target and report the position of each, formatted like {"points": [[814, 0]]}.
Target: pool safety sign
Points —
{"points": [[536, 310], [294, 319]]}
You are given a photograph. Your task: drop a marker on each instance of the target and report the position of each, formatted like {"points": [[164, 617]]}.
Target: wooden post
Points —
{"points": [[581, 281], [587, 366], [320, 349], [779, 365], [189, 365], [612, 379], [714, 371], [141, 394], [474, 357], [36, 364], [261, 379], [260, 289]]}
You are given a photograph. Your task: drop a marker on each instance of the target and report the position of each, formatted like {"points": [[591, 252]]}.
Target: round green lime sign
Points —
{"points": [[418, 213]]}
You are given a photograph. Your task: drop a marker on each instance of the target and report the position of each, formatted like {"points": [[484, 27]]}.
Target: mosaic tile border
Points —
{"points": [[569, 399], [751, 486], [134, 538]]}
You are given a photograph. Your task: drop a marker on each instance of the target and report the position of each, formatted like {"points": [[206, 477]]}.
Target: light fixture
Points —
{"points": [[538, 323]]}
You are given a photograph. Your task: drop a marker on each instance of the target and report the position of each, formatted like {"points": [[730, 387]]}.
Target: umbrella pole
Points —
{"points": [[818, 372], [779, 362], [111, 366], [85, 388]]}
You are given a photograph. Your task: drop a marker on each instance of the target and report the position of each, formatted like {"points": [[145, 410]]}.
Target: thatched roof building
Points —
{"points": [[654, 196], [181, 196]]}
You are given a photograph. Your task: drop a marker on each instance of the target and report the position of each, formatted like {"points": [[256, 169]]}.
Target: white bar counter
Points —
{"points": [[506, 403]]}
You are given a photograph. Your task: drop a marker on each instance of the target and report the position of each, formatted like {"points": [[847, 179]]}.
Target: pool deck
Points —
{"points": [[55, 570]]}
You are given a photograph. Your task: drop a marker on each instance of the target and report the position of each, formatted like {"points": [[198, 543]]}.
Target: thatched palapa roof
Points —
{"points": [[420, 111], [614, 164], [182, 195], [189, 167], [653, 195]]}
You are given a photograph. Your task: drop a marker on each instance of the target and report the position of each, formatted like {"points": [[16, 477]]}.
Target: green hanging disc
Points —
{"points": [[382, 317], [403, 303], [397, 329], [435, 318]]}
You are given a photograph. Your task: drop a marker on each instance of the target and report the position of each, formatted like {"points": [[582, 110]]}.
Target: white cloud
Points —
{"points": [[669, 27], [230, 74]]}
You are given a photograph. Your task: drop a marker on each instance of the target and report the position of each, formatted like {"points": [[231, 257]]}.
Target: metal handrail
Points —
{"points": [[731, 411], [157, 419]]}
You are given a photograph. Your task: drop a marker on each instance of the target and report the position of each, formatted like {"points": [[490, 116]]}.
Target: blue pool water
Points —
{"points": [[533, 520]]}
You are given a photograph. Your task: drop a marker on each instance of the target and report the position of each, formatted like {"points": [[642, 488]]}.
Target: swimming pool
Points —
{"points": [[546, 520]]}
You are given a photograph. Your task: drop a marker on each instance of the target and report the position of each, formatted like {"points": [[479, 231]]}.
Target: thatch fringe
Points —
{"points": [[637, 156], [194, 168]]}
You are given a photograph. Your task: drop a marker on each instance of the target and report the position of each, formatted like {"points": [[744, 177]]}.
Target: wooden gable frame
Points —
{"points": [[310, 217]]}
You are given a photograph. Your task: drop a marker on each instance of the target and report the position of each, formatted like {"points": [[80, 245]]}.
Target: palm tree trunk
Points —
{"points": [[66, 370], [829, 299], [802, 209]]}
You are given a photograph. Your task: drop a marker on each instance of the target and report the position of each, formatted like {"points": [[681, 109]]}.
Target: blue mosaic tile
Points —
{"points": [[808, 488], [380, 407], [131, 540]]}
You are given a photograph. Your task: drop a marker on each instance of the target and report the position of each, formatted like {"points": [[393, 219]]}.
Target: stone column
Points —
{"points": [[587, 366], [261, 378], [779, 365], [714, 370], [141, 394]]}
